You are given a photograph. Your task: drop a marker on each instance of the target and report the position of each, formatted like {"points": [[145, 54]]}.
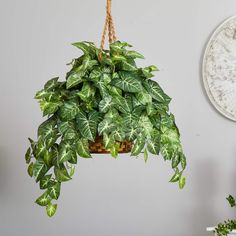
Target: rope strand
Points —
{"points": [[108, 26]]}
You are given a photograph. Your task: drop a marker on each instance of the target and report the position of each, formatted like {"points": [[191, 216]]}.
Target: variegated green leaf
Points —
{"points": [[176, 176], [49, 107], [28, 156], [45, 181], [74, 79], [106, 126], [119, 134], [87, 91], [128, 66], [183, 161], [61, 174], [117, 57], [54, 190], [51, 209], [143, 97], [156, 91], [88, 124], [39, 170], [51, 84], [134, 54], [175, 160], [30, 169], [105, 104], [69, 110], [138, 145], [114, 150], [127, 82], [108, 141], [82, 148], [87, 47], [122, 104], [95, 74], [43, 200], [66, 152]]}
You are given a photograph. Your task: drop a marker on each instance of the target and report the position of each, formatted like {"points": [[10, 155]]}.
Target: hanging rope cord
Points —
{"points": [[108, 26]]}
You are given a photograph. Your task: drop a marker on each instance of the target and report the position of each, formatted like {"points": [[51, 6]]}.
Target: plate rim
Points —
{"points": [[205, 83]]}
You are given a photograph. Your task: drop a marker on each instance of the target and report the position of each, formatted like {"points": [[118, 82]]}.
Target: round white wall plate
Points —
{"points": [[219, 68]]}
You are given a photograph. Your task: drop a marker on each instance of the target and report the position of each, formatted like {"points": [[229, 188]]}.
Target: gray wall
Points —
{"points": [[124, 196]]}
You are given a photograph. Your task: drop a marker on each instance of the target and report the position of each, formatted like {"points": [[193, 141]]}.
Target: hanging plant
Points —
{"points": [[107, 104]]}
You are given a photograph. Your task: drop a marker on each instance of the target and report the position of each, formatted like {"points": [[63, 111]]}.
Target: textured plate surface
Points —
{"points": [[219, 68]]}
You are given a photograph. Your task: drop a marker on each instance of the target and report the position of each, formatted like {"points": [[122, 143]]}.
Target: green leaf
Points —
{"points": [[106, 126], [145, 155], [134, 54], [88, 64], [95, 74], [182, 182], [87, 91], [48, 157], [183, 161], [138, 146], [49, 107], [146, 124], [127, 82], [122, 104], [118, 57], [119, 134], [175, 160], [39, 170], [69, 110], [114, 150], [143, 97], [28, 156], [82, 148], [51, 209], [30, 169], [86, 47], [45, 181], [54, 190], [176, 176], [153, 144], [40, 148], [231, 201], [152, 68], [41, 94], [105, 104], [66, 152], [118, 47], [108, 141], [72, 170], [68, 130], [51, 84], [88, 125], [43, 200], [156, 91], [128, 66], [61, 174], [131, 133], [74, 79]]}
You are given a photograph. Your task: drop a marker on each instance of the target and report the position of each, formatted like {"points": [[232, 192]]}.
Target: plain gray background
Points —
{"points": [[125, 196]]}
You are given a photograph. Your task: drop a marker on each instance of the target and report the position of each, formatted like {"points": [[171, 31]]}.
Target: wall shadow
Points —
{"points": [[3, 172], [203, 192]]}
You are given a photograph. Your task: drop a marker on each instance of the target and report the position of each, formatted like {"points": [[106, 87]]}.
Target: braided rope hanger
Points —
{"points": [[108, 26]]}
